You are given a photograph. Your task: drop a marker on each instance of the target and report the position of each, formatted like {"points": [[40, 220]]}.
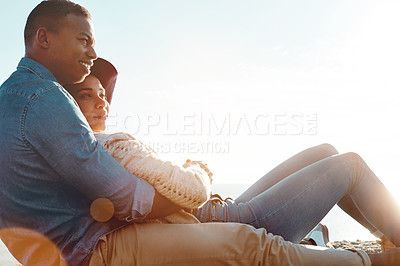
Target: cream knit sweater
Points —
{"points": [[188, 185]]}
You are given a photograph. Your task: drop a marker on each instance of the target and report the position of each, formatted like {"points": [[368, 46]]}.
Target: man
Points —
{"points": [[51, 166], [55, 179]]}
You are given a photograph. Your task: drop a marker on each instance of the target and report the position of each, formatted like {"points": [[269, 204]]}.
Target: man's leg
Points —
{"points": [[210, 244]]}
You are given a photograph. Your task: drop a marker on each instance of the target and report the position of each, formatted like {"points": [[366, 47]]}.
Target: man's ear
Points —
{"points": [[42, 37]]}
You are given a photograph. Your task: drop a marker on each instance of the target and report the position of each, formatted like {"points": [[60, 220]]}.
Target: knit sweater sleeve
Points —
{"points": [[187, 186]]}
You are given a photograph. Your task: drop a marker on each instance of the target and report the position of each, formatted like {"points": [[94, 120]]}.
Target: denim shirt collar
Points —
{"points": [[36, 68]]}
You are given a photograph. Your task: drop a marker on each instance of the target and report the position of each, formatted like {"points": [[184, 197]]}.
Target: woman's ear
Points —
{"points": [[42, 37]]}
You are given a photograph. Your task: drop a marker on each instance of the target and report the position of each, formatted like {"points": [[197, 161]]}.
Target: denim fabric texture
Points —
{"points": [[52, 167], [217, 210], [291, 206]]}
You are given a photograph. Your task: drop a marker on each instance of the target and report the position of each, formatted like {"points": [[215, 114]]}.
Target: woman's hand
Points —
{"points": [[202, 166]]}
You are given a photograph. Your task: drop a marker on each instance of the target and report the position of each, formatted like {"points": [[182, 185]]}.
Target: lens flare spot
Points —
{"points": [[31, 248], [102, 209]]}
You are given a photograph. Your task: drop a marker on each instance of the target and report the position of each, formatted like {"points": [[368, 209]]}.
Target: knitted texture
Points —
{"points": [[188, 185]]}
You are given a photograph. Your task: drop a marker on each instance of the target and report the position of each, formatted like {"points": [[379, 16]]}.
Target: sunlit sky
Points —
{"points": [[271, 78]]}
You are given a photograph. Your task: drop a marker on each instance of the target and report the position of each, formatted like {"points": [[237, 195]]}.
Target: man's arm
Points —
{"points": [[187, 186], [55, 128]]}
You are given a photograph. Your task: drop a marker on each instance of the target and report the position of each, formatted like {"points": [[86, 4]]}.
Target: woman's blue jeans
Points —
{"points": [[295, 196]]}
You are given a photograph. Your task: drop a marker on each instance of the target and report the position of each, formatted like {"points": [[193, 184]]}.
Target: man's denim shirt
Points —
{"points": [[52, 168]]}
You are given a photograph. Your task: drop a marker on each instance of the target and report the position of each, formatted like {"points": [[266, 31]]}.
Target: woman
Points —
{"points": [[288, 201], [188, 186]]}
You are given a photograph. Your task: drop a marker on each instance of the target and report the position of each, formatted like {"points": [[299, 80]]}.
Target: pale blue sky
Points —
{"points": [[183, 61]]}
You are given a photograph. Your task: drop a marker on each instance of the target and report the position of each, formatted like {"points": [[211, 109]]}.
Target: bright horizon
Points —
{"points": [[287, 75]]}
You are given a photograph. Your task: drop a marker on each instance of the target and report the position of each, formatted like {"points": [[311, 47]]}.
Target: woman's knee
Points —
{"points": [[327, 149], [350, 160], [352, 156]]}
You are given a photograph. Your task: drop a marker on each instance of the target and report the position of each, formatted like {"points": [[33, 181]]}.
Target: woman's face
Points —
{"points": [[91, 98]]}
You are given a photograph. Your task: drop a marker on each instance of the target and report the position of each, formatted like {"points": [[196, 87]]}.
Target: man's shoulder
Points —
{"points": [[29, 80], [27, 84]]}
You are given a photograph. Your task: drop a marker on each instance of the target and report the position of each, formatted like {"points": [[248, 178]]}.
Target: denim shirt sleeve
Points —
{"points": [[53, 125]]}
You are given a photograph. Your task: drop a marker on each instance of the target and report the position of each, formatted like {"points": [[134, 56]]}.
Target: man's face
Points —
{"points": [[71, 49], [91, 98]]}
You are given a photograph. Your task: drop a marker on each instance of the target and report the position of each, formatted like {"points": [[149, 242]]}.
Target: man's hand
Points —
{"points": [[162, 207], [391, 258]]}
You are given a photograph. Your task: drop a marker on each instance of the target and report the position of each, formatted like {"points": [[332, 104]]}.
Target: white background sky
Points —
{"points": [[338, 60]]}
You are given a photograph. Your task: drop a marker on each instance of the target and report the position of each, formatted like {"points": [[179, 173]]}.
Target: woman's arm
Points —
{"points": [[187, 186]]}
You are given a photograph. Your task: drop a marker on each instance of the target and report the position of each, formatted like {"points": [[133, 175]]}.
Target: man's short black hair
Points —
{"points": [[49, 14]]}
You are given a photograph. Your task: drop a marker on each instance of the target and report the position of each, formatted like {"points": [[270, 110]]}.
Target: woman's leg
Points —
{"points": [[347, 205], [285, 169], [217, 210], [237, 211], [294, 164], [292, 207]]}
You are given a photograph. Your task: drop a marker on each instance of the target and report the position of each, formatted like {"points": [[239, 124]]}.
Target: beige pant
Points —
{"points": [[211, 244]]}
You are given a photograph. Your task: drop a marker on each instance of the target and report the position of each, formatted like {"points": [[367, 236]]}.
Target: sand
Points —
{"points": [[367, 246]]}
